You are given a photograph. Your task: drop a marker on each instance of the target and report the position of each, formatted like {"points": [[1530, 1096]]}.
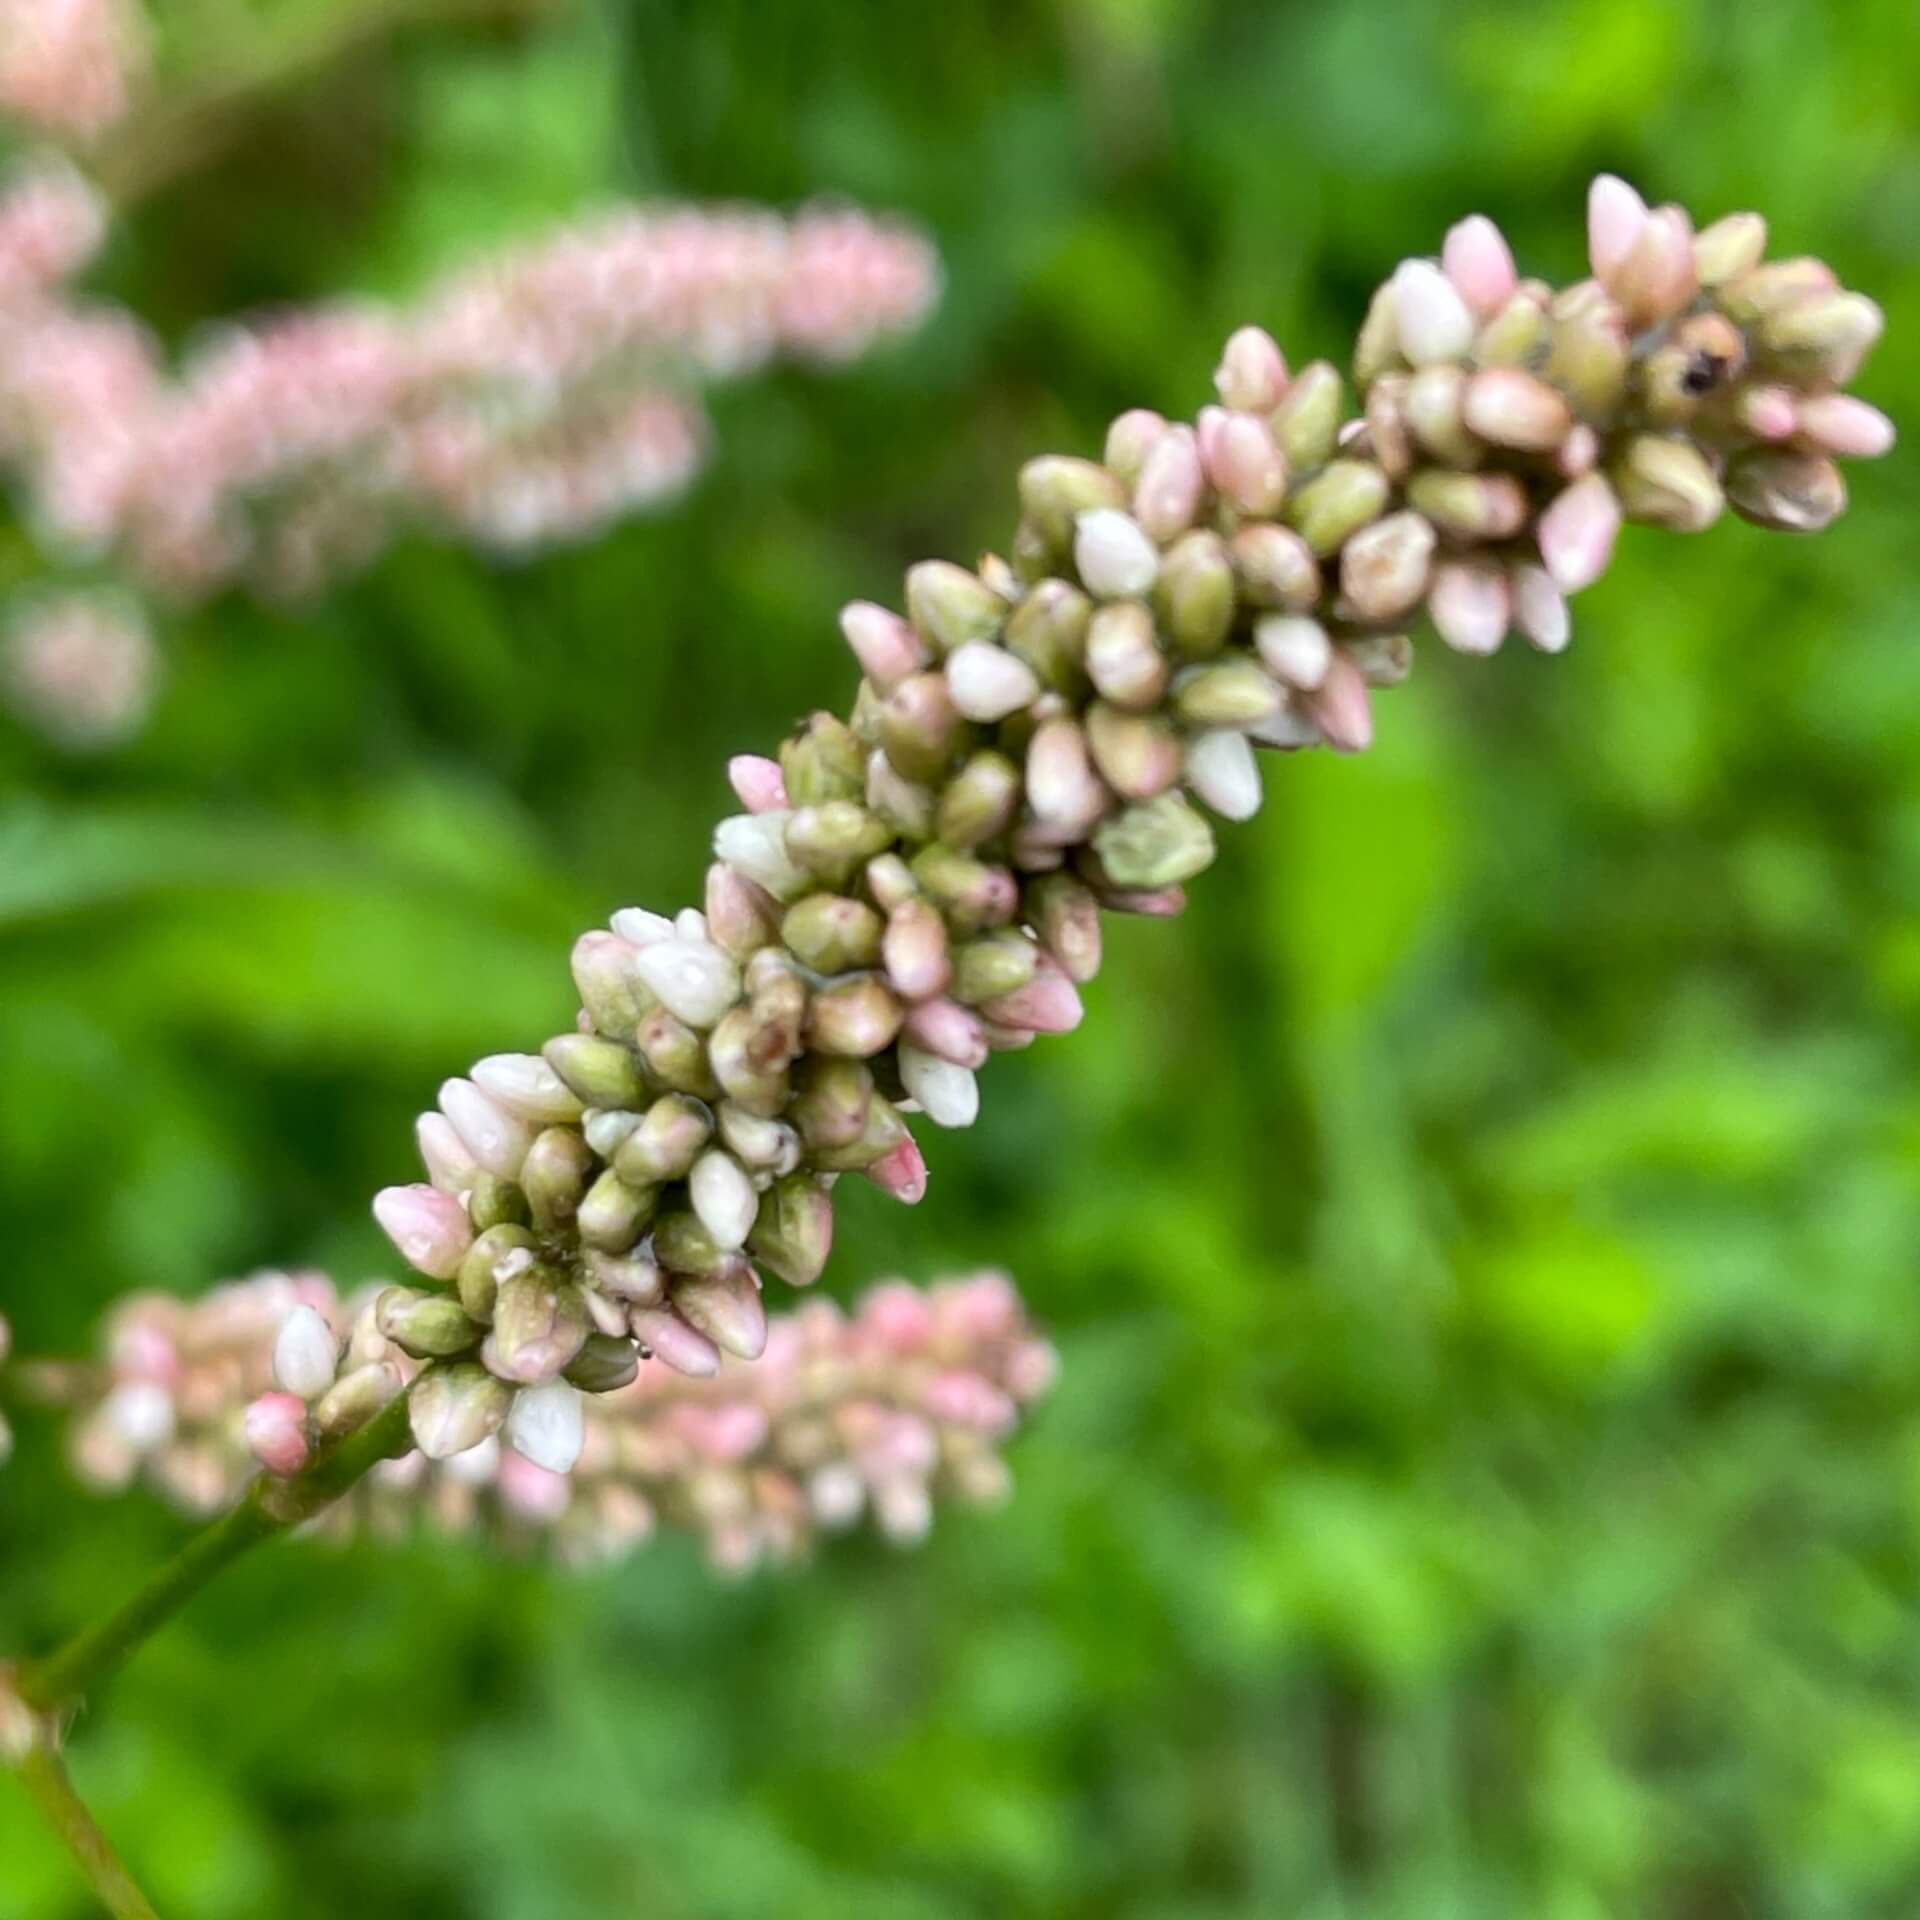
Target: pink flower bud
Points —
{"points": [[1252, 375], [946, 1028], [914, 950], [1341, 707], [761, 785], [430, 1228], [887, 647], [902, 1173], [1166, 502], [1434, 323], [673, 1343], [988, 683], [1576, 533], [1838, 423], [1247, 465], [275, 1429], [1470, 606], [1048, 1003], [1477, 259], [493, 1136], [1616, 218], [1540, 609]]}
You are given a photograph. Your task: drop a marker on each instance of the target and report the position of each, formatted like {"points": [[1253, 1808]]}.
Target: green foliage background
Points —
{"points": [[1483, 1235]]}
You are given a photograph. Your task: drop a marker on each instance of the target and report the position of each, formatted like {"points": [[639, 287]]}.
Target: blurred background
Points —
{"points": [[1481, 1236]]}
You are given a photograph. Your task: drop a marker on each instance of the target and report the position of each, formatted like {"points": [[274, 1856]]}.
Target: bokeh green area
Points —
{"points": [[1482, 1236]]}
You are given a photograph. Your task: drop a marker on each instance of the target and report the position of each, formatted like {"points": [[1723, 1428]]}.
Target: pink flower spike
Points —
{"points": [[1340, 707], [1616, 216], [970, 1400], [1477, 259], [761, 786], [1838, 423], [902, 1173], [430, 1228], [275, 1429], [1577, 533]]}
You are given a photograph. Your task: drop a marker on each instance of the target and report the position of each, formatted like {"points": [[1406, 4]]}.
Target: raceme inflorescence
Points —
{"points": [[533, 397], [876, 1410], [916, 886]]}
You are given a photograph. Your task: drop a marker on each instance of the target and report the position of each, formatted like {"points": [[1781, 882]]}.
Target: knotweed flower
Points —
{"points": [[879, 1410], [917, 886], [68, 67], [78, 665], [533, 398]]}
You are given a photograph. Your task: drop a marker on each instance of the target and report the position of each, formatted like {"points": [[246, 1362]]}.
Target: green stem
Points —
{"points": [[66, 1813], [269, 1508]]}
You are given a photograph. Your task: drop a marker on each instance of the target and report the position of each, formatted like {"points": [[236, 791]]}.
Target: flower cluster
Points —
{"points": [[876, 1410], [79, 665], [915, 887], [534, 398], [68, 67]]}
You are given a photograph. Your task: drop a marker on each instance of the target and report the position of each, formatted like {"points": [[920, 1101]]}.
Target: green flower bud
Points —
{"points": [[824, 761], [830, 1108], [833, 933], [1337, 502], [793, 1233], [1666, 483], [920, 729], [882, 1132], [951, 606], [454, 1408], [356, 1397], [1727, 249], [478, 1280], [1789, 492], [979, 804], [554, 1177], [603, 1073], [835, 840], [671, 1136], [682, 1245], [1065, 914], [993, 964], [1138, 754], [615, 1212], [1056, 489], [604, 1365], [1306, 423], [1158, 844], [1194, 594], [427, 1325], [539, 1326], [493, 1202], [676, 1055], [1048, 630], [1231, 693]]}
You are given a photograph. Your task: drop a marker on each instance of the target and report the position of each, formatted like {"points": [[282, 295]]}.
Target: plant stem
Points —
{"points": [[66, 1813], [269, 1508]]}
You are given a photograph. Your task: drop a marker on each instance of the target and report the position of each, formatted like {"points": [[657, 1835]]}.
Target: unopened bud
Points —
{"points": [[554, 1177], [1384, 568], [1252, 374], [1056, 490], [980, 801], [1168, 495], [615, 1212], [1065, 914], [539, 1324], [305, 1355], [1576, 533], [275, 1429], [886, 646], [1129, 440], [1048, 630], [1509, 408], [1157, 844], [430, 1228], [726, 1307], [426, 1325], [454, 1408], [1667, 483], [1195, 594], [1789, 492], [602, 1073], [832, 933], [1230, 693], [1337, 502]]}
